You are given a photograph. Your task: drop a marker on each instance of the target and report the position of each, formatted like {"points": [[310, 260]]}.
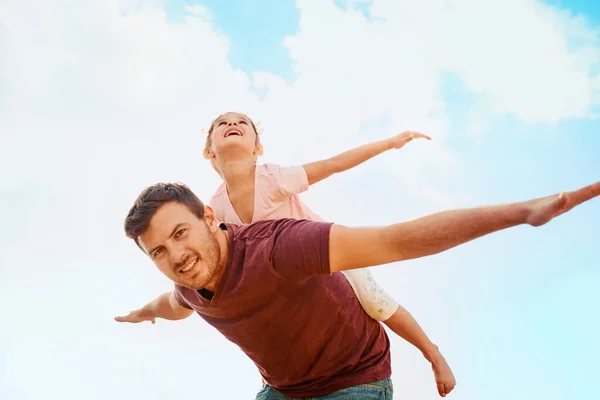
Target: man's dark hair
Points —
{"points": [[151, 199]]}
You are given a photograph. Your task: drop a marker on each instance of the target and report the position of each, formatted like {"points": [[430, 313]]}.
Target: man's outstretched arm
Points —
{"points": [[351, 248], [164, 306]]}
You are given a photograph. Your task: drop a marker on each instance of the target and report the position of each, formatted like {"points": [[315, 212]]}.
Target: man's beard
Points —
{"points": [[211, 263]]}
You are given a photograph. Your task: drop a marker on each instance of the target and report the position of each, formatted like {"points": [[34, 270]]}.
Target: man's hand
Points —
{"points": [[398, 141], [164, 306], [138, 316]]}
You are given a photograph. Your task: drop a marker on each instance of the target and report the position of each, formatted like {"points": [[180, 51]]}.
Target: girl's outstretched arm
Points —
{"points": [[319, 170]]}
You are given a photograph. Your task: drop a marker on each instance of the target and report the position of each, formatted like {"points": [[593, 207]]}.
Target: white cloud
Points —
{"points": [[524, 58], [98, 100], [520, 58]]}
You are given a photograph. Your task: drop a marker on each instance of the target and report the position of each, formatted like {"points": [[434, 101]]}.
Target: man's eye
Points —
{"points": [[157, 252], [179, 233]]}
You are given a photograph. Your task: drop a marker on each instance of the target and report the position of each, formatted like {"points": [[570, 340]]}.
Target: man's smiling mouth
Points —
{"points": [[188, 266]]}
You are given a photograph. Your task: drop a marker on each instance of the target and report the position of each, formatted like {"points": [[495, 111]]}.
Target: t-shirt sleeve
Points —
{"points": [[180, 299], [301, 249], [288, 180]]}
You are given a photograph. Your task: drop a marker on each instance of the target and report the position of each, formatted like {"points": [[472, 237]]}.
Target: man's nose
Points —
{"points": [[177, 254]]}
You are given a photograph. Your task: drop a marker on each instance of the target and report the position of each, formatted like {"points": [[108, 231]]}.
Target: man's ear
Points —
{"points": [[211, 219], [208, 153]]}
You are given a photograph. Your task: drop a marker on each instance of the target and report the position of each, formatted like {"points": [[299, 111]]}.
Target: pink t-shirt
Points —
{"points": [[275, 196]]}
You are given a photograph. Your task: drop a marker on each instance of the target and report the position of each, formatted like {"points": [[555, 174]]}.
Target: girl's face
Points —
{"points": [[233, 134]]}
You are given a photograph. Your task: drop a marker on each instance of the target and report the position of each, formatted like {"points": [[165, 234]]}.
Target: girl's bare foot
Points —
{"points": [[444, 378], [541, 211]]}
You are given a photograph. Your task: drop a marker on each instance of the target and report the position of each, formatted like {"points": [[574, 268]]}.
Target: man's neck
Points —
{"points": [[222, 237]]}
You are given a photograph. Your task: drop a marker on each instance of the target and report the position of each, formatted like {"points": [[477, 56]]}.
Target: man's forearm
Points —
{"points": [[442, 231], [164, 307], [352, 248], [439, 232]]}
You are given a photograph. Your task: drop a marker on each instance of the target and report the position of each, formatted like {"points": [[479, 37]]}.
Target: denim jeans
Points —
{"points": [[380, 390]]}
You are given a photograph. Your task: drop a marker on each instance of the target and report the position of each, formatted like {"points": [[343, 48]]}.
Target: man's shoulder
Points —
{"points": [[260, 229], [182, 295], [272, 228]]}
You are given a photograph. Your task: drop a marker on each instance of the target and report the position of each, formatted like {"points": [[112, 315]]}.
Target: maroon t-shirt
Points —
{"points": [[301, 325]]}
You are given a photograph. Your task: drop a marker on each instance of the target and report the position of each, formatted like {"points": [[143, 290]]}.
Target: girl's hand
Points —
{"points": [[398, 141]]}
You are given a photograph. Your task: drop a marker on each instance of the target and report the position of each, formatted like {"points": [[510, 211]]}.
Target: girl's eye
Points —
{"points": [[221, 123], [243, 122]]}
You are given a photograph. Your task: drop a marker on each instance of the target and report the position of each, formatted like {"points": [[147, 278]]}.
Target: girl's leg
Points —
{"points": [[381, 307], [404, 325], [373, 299]]}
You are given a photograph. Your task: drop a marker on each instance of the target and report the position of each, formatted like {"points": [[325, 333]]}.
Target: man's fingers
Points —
{"points": [[128, 318], [134, 319]]}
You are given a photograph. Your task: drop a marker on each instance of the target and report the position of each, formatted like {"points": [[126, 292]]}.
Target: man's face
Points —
{"points": [[182, 246]]}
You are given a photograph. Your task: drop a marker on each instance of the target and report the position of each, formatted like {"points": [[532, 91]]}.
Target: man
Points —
{"points": [[272, 287]]}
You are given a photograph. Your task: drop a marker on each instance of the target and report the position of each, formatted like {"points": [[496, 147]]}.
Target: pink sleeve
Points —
{"points": [[217, 208], [217, 201], [288, 180]]}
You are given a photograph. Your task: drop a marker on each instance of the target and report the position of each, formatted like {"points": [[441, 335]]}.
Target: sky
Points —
{"points": [[101, 98]]}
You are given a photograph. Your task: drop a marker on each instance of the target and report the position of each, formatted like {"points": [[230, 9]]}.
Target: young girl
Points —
{"points": [[252, 192]]}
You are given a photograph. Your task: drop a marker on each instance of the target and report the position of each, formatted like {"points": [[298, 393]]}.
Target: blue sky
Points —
{"points": [[97, 104], [256, 30]]}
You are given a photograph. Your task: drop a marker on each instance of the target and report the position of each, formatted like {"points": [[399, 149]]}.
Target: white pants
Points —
{"points": [[377, 303]]}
